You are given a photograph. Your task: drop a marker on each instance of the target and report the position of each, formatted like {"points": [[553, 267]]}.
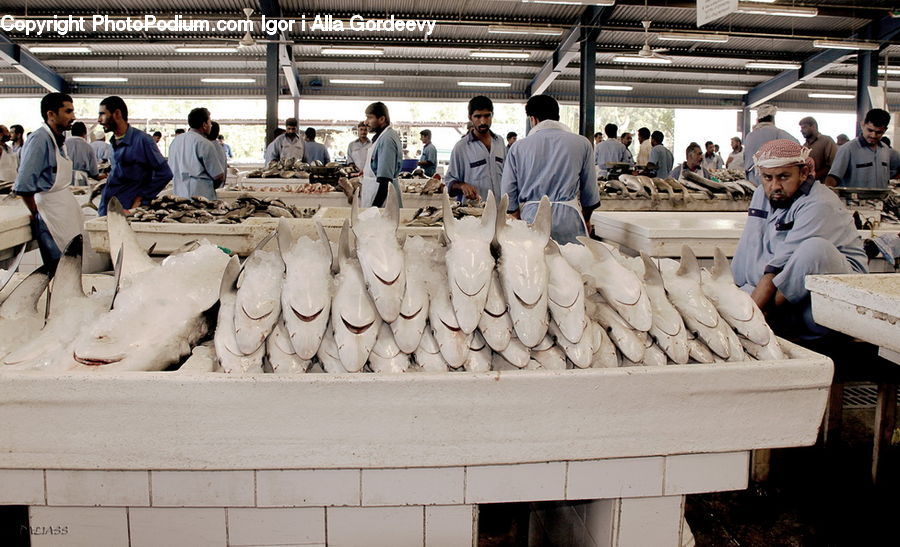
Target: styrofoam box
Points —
{"points": [[866, 306], [332, 218]]}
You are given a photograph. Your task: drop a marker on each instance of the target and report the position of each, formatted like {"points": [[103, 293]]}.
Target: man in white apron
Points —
{"points": [[383, 158], [552, 162], [9, 162], [44, 177]]}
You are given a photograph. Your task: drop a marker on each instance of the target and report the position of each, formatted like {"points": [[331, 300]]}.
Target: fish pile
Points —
{"points": [[729, 175], [423, 186], [200, 210], [434, 216], [292, 168], [685, 189], [381, 307], [309, 188]]}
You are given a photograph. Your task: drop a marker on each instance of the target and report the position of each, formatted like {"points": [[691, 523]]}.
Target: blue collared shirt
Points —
{"points": [[387, 156], [858, 165], [662, 158], [37, 170], [609, 150], [196, 163], [429, 153], [82, 155], [137, 169], [102, 150], [761, 134], [471, 162], [315, 151]]}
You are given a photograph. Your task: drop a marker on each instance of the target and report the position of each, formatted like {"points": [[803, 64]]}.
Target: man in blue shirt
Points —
{"points": [[228, 153], [138, 170], [865, 162], [314, 151], [84, 161], [102, 149], [660, 157], [552, 161], [763, 132], [385, 158], [476, 162], [610, 150], [428, 160], [197, 166]]}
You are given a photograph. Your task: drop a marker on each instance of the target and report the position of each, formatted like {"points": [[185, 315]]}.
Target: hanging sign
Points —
{"points": [[710, 10]]}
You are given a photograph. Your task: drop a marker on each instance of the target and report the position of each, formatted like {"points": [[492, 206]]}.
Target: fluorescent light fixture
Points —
{"points": [[59, 49], [573, 2], [831, 95], [352, 51], [693, 37], [642, 60], [99, 79], [613, 87], [228, 80], [775, 65], [360, 82], [205, 49], [763, 1], [846, 44], [889, 70], [485, 84], [784, 11], [719, 91], [511, 29], [496, 54]]}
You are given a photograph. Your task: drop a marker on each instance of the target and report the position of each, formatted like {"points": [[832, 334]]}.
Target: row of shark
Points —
{"points": [[492, 293]]}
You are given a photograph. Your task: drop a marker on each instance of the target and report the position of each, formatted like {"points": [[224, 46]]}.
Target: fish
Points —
{"points": [[621, 333], [685, 195], [524, 274], [469, 261], [307, 290], [411, 324], [202, 360], [354, 316], [548, 355], [280, 354], [700, 352], [690, 185], [231, 359], [634, 185], [615, 185], [767, 352], [516, 353], [386, 355], [123, 239], [649, 186], [605, 353], [663, 186], [480, 355], [734, 192], [20, 319], [454, 343], [328, 355], [654, 356], [581, 353], [258, 301], [620, 287], [380, 255], [565, 295], [668, 327], [495, 323], [428, 354]]}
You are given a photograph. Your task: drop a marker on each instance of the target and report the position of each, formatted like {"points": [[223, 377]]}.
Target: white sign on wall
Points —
{"points": [[710, 10]]}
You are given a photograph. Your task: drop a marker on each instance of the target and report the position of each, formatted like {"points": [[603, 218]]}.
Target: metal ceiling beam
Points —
{"points": [[882, 30], [587, 95], [29, 65], [272, 8], [592, 16]]}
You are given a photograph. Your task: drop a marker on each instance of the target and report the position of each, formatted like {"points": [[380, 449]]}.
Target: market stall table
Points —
{"points": [[330, 199], [698, 203], [15, 230]]}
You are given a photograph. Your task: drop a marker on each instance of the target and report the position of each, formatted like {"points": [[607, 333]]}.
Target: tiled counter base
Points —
{"points": [[638, 501]]}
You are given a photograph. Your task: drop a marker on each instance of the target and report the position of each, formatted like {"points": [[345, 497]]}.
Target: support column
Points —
{"points": [[273, 71], [866, 75], [587, 95]]}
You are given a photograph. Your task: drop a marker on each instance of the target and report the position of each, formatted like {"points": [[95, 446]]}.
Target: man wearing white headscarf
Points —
{"points": [[763, 132], [795, 227]]}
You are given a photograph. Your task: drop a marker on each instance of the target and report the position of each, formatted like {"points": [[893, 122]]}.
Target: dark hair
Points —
{"points": [[878, 117], [691, 147], [542, 107], [425, 133], [291, 122], [768, 118], [512, 134], [379, 110], [179, 131], [197, 117], [611, 130], [213, 131], [644, 133], [886, 140], [362, 124], [113, 103], [17, 128], [310, 133], [598, 134], [79, 129], [278, 131], [480, 103], [707, 143], [220, 137], [737, 139], [658, 136], [157, 134], [53, 101]]}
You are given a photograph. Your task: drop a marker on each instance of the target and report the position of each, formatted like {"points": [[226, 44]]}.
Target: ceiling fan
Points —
{"points": [[248, 40], [646, 50]]}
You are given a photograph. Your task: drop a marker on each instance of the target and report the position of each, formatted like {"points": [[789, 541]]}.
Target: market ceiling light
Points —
{"points": [[846, 44], [614, 87], [775, 65], [510, 29], [573, 2], [784, 11], [59, 49], [718, 91], [488, 54], [693, 37], [360, 82], [99, 79], [889, 70], [831, 95], [352, 51], [485, 84], [642, 59], [228, 80], [205, 49]]}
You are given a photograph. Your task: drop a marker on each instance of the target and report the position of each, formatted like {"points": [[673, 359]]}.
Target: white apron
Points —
{"points": [[57, 206], [369, 181], [292, 148], [8, 165]]}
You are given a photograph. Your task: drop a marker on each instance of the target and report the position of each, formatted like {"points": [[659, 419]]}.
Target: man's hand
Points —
{"points": [[468, 191], [137, 203], [764, 295]]}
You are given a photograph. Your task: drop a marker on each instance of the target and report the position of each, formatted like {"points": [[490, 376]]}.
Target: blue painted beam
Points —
{"points": [[31, 66]]}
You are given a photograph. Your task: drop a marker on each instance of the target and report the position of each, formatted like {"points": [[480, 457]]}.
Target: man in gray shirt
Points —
{"points": [[822, 148], [314, 151], [661, 158], [609, 150], [84, 160], [866, 162], [476, 162], [763, 132]]}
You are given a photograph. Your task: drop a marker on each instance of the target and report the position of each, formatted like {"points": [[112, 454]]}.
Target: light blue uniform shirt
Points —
{"points": [[429, 153], [387, 156], [195, 164], [356, 152], [103, 150], [82, 156], [471, 162], [552, 162], [761, 134], [700, 170], [37, 170], [609, 150], [315, 151], [857, 165], [662, 158]]}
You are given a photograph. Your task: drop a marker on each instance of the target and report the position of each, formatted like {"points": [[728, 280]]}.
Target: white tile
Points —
{"points": [[78, 526], [307, 487], [108, 488], [694, 473], [600, 520], [522, 482], [202, 488], [615, 478], [177, 527], [375, 526], [650, 521], [451, 525], [22, 487], [413, 486], [276, 526]]}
